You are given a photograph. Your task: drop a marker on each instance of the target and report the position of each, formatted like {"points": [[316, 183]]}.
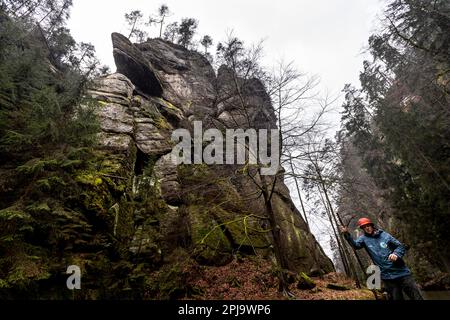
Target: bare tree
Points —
{"points": [[322, 176], [171, 32], [133, 19], [163, 13], [280, 97]]}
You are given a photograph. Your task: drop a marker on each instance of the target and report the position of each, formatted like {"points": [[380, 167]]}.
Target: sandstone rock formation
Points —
{"points": [[207, 211]]}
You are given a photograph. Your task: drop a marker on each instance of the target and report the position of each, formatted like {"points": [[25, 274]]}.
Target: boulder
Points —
{"points": [[114, 88]]}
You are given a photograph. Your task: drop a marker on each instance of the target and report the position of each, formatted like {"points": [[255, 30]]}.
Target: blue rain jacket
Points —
{"points": [[379, 246]]}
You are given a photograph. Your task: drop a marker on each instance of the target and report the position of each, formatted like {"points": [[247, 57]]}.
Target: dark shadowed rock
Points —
{"points": [[304, 282], [130, 62], [187, 76]]}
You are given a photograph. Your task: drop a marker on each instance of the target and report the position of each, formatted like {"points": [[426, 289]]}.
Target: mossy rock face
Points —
{"points": [[217, 233], [106, 191], [223, 212], [245, 230], [173, 114], [81, 207], [174, 229], [211, 245], [145, 245], [298, 245], [169, 283], [150, 211]]}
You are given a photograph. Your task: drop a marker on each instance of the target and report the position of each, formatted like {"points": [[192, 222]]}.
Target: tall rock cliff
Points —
{"points": [[206, 210], [135, 224]]}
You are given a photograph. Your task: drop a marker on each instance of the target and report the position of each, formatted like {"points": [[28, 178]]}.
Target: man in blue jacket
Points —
{"points": [[387, 253]]}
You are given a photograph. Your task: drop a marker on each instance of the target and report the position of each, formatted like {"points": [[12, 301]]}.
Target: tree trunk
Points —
{"points": [[161, 26], [276, 234], [338, 240], [351, 267], [299, 196]]}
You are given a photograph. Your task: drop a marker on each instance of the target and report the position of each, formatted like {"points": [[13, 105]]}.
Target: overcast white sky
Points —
{"points": [[324, 37]]}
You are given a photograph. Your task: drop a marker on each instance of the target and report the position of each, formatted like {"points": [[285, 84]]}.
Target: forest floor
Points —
{"points": [[255, 279]]}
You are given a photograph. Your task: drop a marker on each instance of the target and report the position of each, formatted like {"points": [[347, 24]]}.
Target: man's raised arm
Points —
{"points": [[358, 244]]}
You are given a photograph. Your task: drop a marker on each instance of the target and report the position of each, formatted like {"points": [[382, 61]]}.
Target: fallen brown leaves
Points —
{"points": [[255, 279]]}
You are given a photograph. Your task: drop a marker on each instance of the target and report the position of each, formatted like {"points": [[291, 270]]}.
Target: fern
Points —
{"points": [[13, 213]]}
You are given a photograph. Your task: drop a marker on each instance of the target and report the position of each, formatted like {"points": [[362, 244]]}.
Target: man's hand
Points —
{"points": [[393, 257], [343, 229]]}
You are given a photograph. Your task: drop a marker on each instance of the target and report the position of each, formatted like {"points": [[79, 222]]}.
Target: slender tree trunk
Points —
{"points": [[132, 28], [276, 234], [351, 267], [46, 15], [161, 26], [335, 214], [336, 235], [300, 196]]}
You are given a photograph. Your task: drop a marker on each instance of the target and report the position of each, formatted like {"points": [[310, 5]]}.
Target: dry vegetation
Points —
{"points": [[254, 279]]}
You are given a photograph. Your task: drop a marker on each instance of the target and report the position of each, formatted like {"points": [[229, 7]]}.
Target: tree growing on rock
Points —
{"points": [[163, 13], [206, 42], [134, 19], [171, 31], [186, 31]]}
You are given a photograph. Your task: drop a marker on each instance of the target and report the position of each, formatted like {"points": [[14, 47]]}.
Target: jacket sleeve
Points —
{"points": [[356, 244], [400, 249]]}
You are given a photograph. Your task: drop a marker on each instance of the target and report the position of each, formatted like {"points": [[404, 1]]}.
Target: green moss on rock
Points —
{"points": [[304, 282], [211, 245]]}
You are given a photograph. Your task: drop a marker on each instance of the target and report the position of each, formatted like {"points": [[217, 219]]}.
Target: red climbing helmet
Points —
{"points": [[363, 222]]}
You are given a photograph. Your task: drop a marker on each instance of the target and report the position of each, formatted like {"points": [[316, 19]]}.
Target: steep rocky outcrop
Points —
{"points": [[188, 76], [208, 212]]}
